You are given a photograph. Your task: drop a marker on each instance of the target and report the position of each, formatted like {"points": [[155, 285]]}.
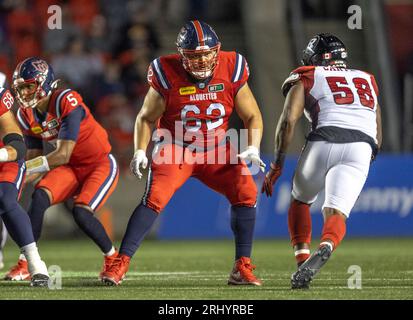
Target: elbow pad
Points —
{"points": [[15, 141]]}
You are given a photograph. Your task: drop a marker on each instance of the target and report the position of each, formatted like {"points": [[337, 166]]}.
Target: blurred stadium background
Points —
{"points": [[105, 46]]}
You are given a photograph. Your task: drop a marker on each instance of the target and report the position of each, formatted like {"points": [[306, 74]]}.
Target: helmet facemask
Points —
{"points": [[201, 62], [30, 92]]}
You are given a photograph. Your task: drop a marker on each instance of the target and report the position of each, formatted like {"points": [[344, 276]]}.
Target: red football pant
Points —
{"points": [[89, 185], [228, 179], [13, 172]]}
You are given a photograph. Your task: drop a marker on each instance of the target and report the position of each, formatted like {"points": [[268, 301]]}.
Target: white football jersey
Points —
{"points": [[339, 97]]}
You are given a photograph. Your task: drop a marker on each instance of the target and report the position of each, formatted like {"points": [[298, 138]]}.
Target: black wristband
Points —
{"points": [[16, 141]]}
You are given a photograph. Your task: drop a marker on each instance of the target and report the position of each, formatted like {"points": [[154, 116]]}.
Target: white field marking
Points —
{"points": [[69, 274], [213, 274]]}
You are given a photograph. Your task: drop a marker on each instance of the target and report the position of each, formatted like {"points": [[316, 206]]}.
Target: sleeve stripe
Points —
{"points": [[58, 111], [160, 74], [239, 68], [21, 120]]}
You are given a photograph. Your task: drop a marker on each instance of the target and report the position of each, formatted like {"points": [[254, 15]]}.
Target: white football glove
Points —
{"points": [[252, 154], [139, 160]]}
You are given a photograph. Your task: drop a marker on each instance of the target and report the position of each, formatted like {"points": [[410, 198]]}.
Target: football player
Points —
{"points": [[342, 106], [12, 170], [196, 91], [81, 167], [3, 230]]}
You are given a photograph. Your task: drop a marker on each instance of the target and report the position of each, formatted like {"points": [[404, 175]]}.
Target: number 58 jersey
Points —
{"points": [[338, 97], [195, 111]]}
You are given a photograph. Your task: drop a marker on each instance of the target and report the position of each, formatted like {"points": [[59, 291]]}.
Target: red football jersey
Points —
{"points": [[196, 110], [6, 102], [92, 142]]}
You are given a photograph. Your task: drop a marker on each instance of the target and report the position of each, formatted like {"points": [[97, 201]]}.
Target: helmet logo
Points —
{"points": [[40, 66], [311, 44]]}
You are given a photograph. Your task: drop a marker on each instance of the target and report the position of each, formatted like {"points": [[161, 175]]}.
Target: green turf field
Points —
{"points": [[199, 270]]}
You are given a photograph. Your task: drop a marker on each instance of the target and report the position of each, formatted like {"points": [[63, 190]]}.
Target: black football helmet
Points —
{"points": [[324, 50], [198, 46]]}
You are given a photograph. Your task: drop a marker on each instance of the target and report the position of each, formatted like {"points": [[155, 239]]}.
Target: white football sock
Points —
{"points": [[111, 252], [34, 262]]}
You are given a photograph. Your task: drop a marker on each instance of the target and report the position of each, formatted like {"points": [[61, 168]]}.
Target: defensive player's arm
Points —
{"points": [[247, 108], [379, 136], [292, 112], [12, 137]]}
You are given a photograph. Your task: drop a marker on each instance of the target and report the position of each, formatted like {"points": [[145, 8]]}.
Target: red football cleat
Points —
{"points": [[107, 263], [19, 272], [242, 273], [116, 272]]}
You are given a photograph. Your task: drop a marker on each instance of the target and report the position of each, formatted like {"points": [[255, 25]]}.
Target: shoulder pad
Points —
{"points": [[289, 82], [294, 76]]}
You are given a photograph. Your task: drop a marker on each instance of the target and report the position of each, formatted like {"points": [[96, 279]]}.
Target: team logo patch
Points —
{"points": [[187, 90], [52, 124], [216, 87], [37, 130], [50, 134]]}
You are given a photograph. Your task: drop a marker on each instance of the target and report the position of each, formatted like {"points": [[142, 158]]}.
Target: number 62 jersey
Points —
{"points": [[197, 109], [340, 103]]}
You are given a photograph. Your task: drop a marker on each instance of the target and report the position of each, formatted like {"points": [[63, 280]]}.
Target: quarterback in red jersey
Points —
{"points": [[81, 163], [12, 168], [191, 97]]}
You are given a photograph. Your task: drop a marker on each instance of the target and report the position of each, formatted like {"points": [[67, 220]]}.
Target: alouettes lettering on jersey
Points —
{"points": [[199, 109], [6, 102], [338, 97], [92, 141]]}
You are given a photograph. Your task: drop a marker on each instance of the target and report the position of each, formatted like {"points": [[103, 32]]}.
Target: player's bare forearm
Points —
{"points": [[33, 153], [379, 127], [152, 109], [143, 130], [292, 112], [62, 154], [247, 108], [255, 127], [283, 135]]}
